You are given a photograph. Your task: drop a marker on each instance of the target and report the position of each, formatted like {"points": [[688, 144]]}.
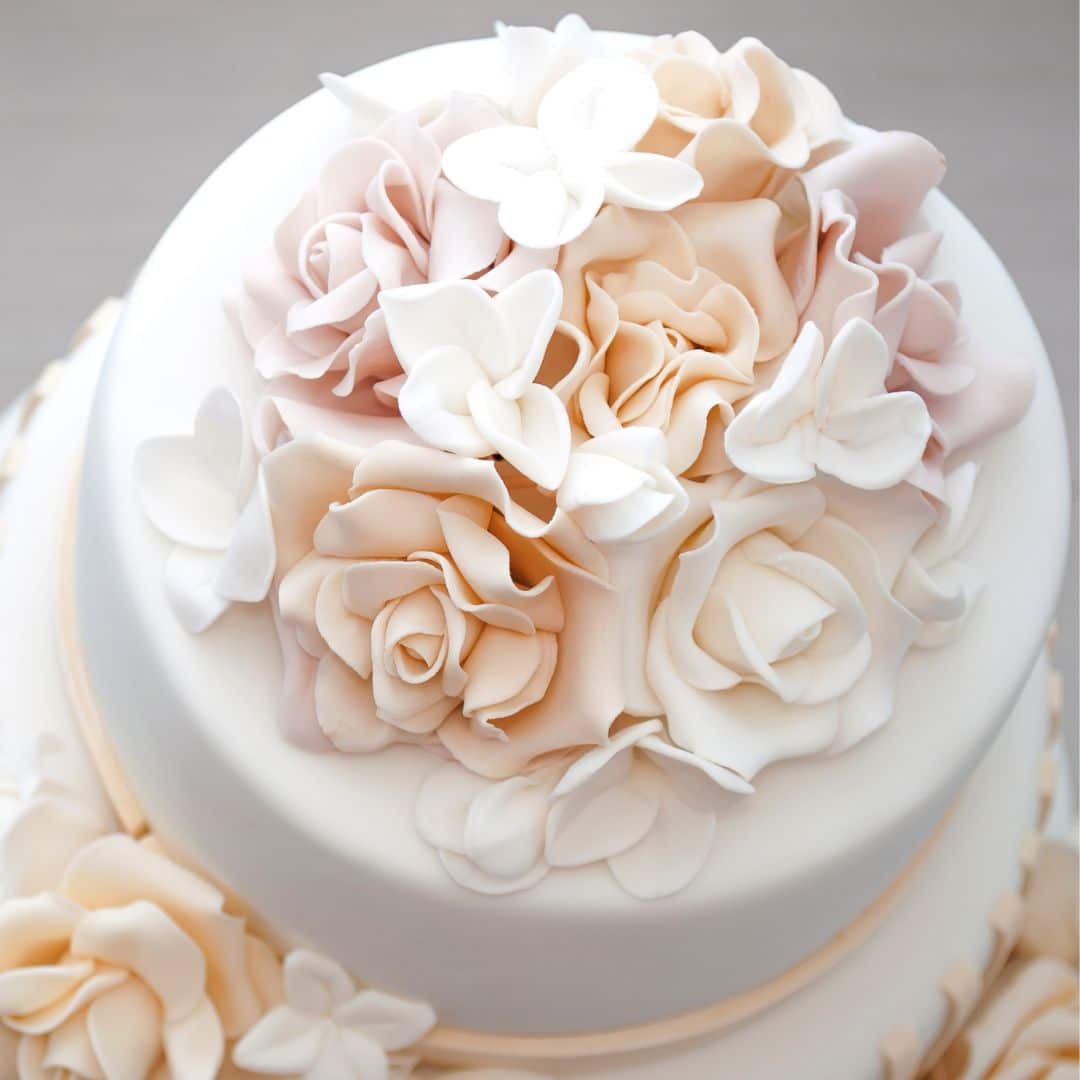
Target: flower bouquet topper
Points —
{"points": [[612, 446]]}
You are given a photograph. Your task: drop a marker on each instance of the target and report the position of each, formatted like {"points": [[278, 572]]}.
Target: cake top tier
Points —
{"points": [[588, 456]]}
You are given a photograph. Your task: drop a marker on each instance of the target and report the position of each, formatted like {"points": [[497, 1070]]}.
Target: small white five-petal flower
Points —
{"points": [[470, 361], [830, 411], [328, 1030], [551, 180], [205, 492], [618, 486]]}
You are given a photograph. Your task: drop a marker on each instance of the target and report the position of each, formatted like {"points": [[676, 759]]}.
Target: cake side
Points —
{"points": [[827, 862]]}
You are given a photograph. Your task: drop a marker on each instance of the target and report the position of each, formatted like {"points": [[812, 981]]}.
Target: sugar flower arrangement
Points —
{"points": [[609, 447]]}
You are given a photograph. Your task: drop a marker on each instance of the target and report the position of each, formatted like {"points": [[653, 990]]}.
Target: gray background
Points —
{"points": [[113, 111]]}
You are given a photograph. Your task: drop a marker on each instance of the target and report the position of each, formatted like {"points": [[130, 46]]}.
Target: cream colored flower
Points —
{"points": [[44, 824], [420, 600], [743, 118], [1028, 1028], [777, 634], [666, 316], [328, 1029], [131, 964]]}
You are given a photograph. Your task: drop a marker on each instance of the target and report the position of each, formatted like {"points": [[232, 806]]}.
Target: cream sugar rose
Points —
{"points": [[610, 445]]}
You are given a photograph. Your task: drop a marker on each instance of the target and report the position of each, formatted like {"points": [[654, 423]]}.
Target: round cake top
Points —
{"points": [[556, 482]]}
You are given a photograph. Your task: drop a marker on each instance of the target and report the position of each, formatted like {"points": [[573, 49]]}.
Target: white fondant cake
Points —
{"points": [[556, 562]]}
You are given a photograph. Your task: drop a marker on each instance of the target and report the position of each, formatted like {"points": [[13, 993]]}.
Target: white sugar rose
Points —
{"points": [[776, 635], [421, 600], [665, 317], [132, 967], [743, 118]]}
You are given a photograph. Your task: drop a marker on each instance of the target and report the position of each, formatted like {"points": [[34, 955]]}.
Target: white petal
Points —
{"points": [[598, 480], [189, 484], [191, 576], [431, 401], [282, 1043], [143, 939], [453, 314], [530, 311], [593, 761], [125, 1030], [673, 853], [600, 108], [314, 984], [490, 163], [247, 569], [442, 805], [469, 876], [504, 830], [876, 444], [540, 447], [195, 1046], [546, 211], [685, 768], [393, 1023], [181, 495], [650, 182], [585, 827]]}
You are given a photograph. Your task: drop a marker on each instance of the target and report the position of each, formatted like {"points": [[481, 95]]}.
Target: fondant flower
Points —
{"points": [[667, 316], [619, 487], [856, 250], [551, 180], [380, 216], [470, 362], [620, 803], [43, 825], [1026, 1028], [535, 59], [205, 493], [830, 411], [743, 118], [132, 964], [424, 600], [327, 1028], [776, 634], [935, 584]]}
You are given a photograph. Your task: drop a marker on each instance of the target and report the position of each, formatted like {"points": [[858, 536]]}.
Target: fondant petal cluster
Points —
{"points": [[611, 435]]}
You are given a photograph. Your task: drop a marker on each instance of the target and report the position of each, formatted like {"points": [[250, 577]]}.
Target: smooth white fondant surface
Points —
{"points": [[325, 845]]}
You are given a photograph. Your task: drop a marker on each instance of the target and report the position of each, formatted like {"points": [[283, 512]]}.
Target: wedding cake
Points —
{"points": [[545, 575]]}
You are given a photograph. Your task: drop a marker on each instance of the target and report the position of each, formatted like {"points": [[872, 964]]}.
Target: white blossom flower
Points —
{"points": [[204, 491], [535, 59], [551, 180], [830, 411], [618, 486], [470, 362], [327, 1028]]}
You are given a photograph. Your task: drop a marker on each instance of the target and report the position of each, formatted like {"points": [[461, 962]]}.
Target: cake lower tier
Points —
{"points": [[876, 1000]]}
